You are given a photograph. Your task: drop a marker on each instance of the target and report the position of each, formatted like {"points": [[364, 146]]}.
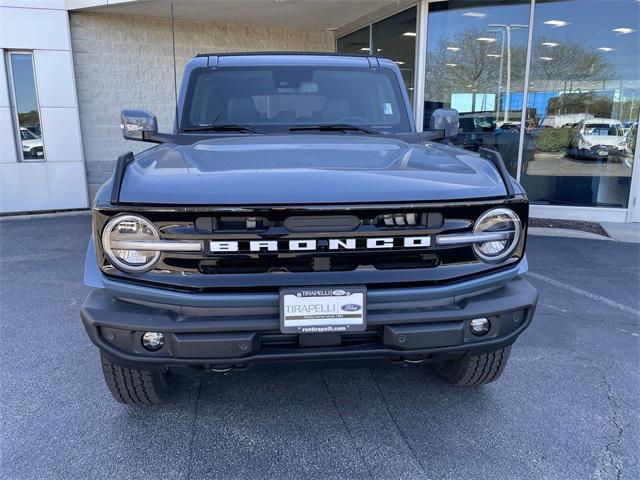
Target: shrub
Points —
{"points": [[554, 139]]}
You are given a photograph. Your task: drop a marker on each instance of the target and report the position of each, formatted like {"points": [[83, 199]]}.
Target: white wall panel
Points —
{"points": [[8, 144], [34, 29], [54, 70], [72, 176], [24, 187], [61, 133], [41, 186]]}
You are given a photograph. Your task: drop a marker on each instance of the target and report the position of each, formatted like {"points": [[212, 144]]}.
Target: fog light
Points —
{"points": [[153, 341], [480, 326]]}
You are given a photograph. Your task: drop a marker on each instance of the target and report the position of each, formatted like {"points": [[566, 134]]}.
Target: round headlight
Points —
{"points": [[501, 230], [119, 239]]}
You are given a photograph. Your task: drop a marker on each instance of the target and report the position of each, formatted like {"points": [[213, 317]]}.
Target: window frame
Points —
{"points": [[14, 105]]}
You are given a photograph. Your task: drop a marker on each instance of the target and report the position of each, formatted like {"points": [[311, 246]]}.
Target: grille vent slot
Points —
{"points": [[231, 224], [431, 220], [322, 223]]}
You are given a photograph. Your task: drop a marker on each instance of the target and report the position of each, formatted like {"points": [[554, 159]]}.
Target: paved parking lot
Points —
{"points": [[566, 408], [560, 165]]}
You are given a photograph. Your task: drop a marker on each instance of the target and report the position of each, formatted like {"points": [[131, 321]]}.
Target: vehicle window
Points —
{"points": [[275, 98], [484, 122], [602, 129]]}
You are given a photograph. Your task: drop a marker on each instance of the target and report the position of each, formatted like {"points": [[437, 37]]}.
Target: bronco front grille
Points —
{"points": [[314, 243], [308, 240]]}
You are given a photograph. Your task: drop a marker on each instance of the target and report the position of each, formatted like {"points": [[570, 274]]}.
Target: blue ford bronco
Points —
{"points": [[295, 216]]}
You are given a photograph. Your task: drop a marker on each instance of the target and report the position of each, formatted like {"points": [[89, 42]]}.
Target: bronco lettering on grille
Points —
{"points": [[218, 246]]}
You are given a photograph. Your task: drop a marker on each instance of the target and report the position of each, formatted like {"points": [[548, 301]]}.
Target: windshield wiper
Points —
{"points": [[220, 128], [332, 127]]}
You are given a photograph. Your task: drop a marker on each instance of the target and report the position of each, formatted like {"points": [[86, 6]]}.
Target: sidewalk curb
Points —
{"points": [[566, 232], [27, 216], [623, 232]]}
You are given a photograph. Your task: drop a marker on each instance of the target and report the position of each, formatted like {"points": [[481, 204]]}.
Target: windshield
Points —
{"points": [[603, 129], [26, 134], [274, 99]]}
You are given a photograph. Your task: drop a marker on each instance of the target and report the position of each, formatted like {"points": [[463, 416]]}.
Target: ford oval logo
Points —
{"points": [[350, 307]]}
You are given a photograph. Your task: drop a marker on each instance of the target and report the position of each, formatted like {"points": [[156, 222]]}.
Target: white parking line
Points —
{"points": [[34, 256], [584, 293]]}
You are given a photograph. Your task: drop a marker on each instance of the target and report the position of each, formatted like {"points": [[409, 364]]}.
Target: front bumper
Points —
{"points": [[602, 151], [222, 337]]}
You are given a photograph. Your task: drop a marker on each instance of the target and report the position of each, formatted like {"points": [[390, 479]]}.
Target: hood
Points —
{"points": [[35, 142], [306, 169], [604, 139]]}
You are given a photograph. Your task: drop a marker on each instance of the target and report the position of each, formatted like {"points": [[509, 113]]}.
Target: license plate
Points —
{"points": [[323, 309]]}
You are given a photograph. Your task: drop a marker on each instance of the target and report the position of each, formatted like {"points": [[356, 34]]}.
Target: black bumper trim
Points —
{"points": [[225, 341]]}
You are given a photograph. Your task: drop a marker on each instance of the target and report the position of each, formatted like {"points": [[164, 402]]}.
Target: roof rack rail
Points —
{"points": [[494, 157], [276, 52], [118, 175]]}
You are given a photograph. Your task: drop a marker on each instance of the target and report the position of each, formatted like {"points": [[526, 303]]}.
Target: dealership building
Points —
{"points": [[554, 85]]}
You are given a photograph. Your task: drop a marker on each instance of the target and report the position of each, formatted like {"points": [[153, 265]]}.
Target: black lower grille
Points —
{"points": [[351, 339]]}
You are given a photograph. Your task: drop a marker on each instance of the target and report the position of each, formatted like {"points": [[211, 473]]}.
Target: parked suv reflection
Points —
{"points": [[598, 138], [31, 145]]}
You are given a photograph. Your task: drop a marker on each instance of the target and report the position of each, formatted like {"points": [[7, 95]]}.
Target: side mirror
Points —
{"points": [[445, 119], [138, 125]]}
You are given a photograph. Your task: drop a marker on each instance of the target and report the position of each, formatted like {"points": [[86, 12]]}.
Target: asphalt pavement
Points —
{"points": [[567, 407]]}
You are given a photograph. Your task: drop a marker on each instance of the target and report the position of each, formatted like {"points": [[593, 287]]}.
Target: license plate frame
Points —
{"points": [[336, 309]]}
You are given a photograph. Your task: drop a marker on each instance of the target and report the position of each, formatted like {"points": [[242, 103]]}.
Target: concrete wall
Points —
{"points": [[58, 181], [127, 61]]}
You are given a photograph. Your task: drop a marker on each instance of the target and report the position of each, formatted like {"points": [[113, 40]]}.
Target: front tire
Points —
{"points": [[136, 387], [470, 371]]}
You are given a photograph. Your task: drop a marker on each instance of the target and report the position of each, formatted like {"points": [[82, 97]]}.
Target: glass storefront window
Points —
{"points": [[583, 103], [476, 59], [356, 42], [581, 111], [395, 38], [25, 106]]}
